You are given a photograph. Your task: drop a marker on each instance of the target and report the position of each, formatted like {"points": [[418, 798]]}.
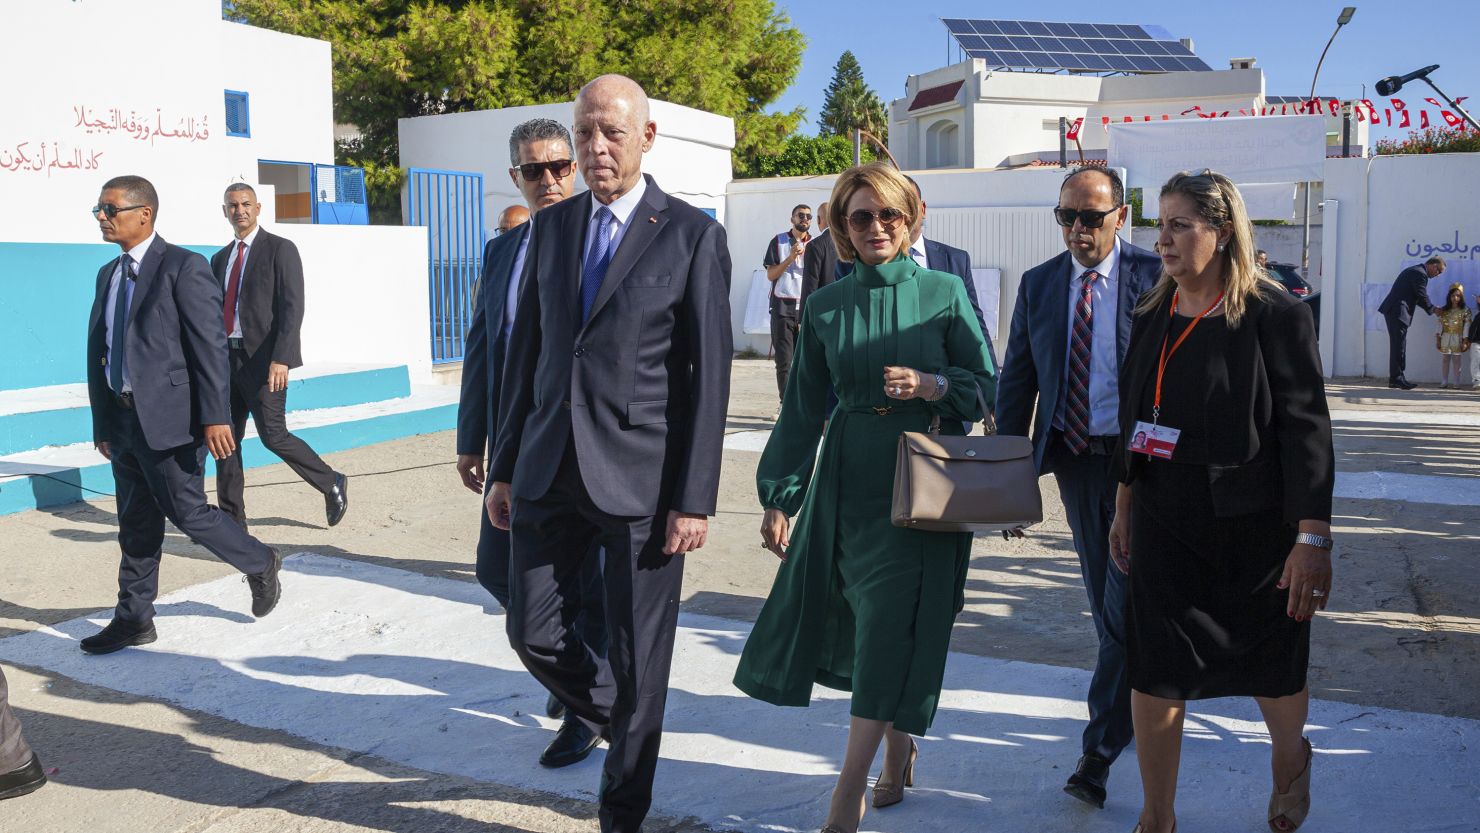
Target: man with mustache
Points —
{"points": [[1070, 329], [783, 264]]}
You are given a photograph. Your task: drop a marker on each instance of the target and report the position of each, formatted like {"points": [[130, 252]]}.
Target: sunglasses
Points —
{"points": [[804, 217], [535, 171], [1086, 218], [111, 211], [889, 218]]}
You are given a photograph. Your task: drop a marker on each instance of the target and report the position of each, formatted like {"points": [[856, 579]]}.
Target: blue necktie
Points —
{"points": [[598, 257], [116, 351]]}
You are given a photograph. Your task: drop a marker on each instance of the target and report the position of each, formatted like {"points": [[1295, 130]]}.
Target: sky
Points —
{"points": [[894, 40]]}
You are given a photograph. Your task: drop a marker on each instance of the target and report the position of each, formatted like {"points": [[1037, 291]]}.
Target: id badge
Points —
{"points": [[1154, 440]]}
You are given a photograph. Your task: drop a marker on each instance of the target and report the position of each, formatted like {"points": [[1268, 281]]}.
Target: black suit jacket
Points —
{"points": [[175, 348], [1410, 290], [820, 266], [641, 389], [1272, 447], [483, 356], [270, 306], [1033, 369]]}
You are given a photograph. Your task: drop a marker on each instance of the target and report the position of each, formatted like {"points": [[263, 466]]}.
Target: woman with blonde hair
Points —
{"points": [[860, 605], [1223, 516]]}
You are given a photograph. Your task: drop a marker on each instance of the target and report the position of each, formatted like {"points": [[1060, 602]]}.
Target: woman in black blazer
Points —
{"points": [[1223, 516]]}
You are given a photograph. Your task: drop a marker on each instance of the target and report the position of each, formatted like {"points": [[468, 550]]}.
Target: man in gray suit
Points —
{"points": [[611, 428], [20, 769], [1070, 329], [157, 380]]}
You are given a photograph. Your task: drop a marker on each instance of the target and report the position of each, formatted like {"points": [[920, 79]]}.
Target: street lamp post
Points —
{"points": [[1341, 20]]}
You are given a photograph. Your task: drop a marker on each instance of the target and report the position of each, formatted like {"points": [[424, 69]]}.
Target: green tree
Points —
{"points": [[850, 104], [807, 156], [397, 59]]}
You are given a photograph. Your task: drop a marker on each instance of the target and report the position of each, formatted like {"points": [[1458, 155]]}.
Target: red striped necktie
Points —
{"points": [[233, 286]]}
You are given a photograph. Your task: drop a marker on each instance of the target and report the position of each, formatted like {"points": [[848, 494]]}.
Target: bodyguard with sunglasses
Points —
{"points": [[1070, 329], [543, 171]]}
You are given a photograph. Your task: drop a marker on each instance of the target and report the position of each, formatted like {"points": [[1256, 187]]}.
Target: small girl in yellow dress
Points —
{"points": [[1453, 341]]}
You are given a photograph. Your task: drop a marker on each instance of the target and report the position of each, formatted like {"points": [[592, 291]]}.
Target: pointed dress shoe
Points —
{"points": [[336, 502], [118, 635], [27, 779], [266, 589], [1088, 781], [572, 744]]}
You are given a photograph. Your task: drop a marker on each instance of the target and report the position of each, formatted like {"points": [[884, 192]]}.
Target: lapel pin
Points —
{"points": [[652, 219]]}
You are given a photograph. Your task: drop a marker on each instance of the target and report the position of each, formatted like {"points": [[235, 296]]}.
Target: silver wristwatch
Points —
{"points": [[1314, 540]]}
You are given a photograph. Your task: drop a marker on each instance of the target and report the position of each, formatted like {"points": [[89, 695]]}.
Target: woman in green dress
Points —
{"points": [[860, 605]]}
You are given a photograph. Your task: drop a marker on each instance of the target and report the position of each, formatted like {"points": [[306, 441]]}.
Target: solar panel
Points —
{"points": [[1081, 47]]}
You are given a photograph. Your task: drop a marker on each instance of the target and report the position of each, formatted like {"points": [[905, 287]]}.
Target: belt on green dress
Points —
{"points": [[900, 408]]}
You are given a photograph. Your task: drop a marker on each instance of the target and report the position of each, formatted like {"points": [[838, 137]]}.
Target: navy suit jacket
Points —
{"points": [[640, 389], [483, 357], [175, 349], [1033, 369], [943, 258], [1410, 290], [271, 302]]}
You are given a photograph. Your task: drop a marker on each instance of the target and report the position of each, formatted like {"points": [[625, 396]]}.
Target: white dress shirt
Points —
{"points": [[511, 301], [621, 208], [238, 252], [137, 255], [1104, 371], [917, 253]]}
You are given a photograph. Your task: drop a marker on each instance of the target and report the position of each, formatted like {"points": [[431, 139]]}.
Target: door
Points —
{"points": [[450, 205]]}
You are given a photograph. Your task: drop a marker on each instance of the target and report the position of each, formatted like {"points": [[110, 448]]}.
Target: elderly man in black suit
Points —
{"points": [[158, 380], [1410, 290], [261, 277], [543, 171], [1071, 326], [611, 430], [20, 769]]}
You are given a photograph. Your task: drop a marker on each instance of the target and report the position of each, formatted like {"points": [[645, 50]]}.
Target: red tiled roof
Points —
{"points": [[935, 95]]}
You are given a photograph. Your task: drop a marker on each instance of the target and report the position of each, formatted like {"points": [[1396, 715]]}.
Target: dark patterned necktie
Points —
{"points": [[597, 259], [116, 349], [1076, 415]]}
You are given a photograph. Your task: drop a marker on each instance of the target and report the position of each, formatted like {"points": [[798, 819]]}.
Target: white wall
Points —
{"points": [[690, 158], [178, 86]]}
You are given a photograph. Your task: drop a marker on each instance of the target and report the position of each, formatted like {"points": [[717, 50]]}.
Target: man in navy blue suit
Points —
{"points": [[1410, 290], [544, 172], [933, 254], [158, 380], [1070, 329]]}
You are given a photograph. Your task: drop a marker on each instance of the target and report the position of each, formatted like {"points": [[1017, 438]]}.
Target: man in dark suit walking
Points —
{"points": [[932, 254], [261, 276], [1410, 290], [543, 171], [157, 380], [610, 430], [1070, 329]]}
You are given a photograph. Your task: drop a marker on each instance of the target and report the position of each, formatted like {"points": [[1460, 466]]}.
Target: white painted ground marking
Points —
{"points": [[1409, 488], [747, 441], [414, 669], [1410, 416]]}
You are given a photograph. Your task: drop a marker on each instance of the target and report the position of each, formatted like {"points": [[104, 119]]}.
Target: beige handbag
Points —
{"points": [[965, 484]]}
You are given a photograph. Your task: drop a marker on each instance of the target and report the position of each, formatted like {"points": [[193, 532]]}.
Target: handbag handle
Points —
{"points": [[989, 419]]}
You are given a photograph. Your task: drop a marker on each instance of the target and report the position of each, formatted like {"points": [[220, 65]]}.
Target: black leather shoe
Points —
{"points": [[554, 708], [336, 503], [1401, 384], [1088, 781], [119, 634], [27, 779], [572, 743], [266, 589]]}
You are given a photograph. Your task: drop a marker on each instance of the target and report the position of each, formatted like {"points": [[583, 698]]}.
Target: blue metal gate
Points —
{"points": [[450, 205]]}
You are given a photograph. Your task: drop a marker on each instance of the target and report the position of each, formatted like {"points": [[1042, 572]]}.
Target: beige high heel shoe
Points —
{"points": [[894, 793], [1287, 810], [1140, 829]]}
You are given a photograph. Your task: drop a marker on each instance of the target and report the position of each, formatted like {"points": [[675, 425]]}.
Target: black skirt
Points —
{"points": [[1205, 617]]}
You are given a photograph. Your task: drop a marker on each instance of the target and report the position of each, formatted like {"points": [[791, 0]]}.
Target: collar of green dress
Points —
{"points": [[898, 270]]}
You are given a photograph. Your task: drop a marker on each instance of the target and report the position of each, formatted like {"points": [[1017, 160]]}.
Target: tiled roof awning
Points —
{"points": [[935, 95]]}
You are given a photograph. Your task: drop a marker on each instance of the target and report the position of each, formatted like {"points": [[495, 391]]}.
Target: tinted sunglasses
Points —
{"points": [[804, 216], [111, 211], [1086, 218], [535, 171], [889, 218]]}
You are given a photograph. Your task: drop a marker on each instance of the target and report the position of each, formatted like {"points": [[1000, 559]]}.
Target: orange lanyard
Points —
{"points": [[1161, 368]]}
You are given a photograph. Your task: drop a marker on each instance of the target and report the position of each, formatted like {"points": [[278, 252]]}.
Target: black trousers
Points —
{"points": [[784, 326], [626, 692], [1397, 347], [249, 394], [155, 485]]}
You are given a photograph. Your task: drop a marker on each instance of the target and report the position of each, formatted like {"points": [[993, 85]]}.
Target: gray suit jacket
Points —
{"points": [[641, 389]]}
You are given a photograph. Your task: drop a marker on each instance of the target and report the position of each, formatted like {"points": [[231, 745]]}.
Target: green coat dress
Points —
{"points": [[860, 604]]}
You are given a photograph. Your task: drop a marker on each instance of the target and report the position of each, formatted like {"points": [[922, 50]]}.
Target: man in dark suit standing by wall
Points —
{"points": [[544, 172], [820, 262], [1410, 290], [261, 277], [1070, 330], [158, 380], [610, 430]]}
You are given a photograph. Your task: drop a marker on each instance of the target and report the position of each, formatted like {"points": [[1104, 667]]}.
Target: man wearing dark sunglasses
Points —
{"points": [[158, 381], [542, 169], [783, 263], [1071, 325]]}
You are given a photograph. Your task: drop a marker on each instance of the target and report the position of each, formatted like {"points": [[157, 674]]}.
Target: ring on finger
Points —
{"points": [[1318, 593]]}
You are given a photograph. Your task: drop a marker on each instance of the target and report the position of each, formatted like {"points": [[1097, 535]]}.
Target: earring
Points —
{"points": [[1220, 249]]}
